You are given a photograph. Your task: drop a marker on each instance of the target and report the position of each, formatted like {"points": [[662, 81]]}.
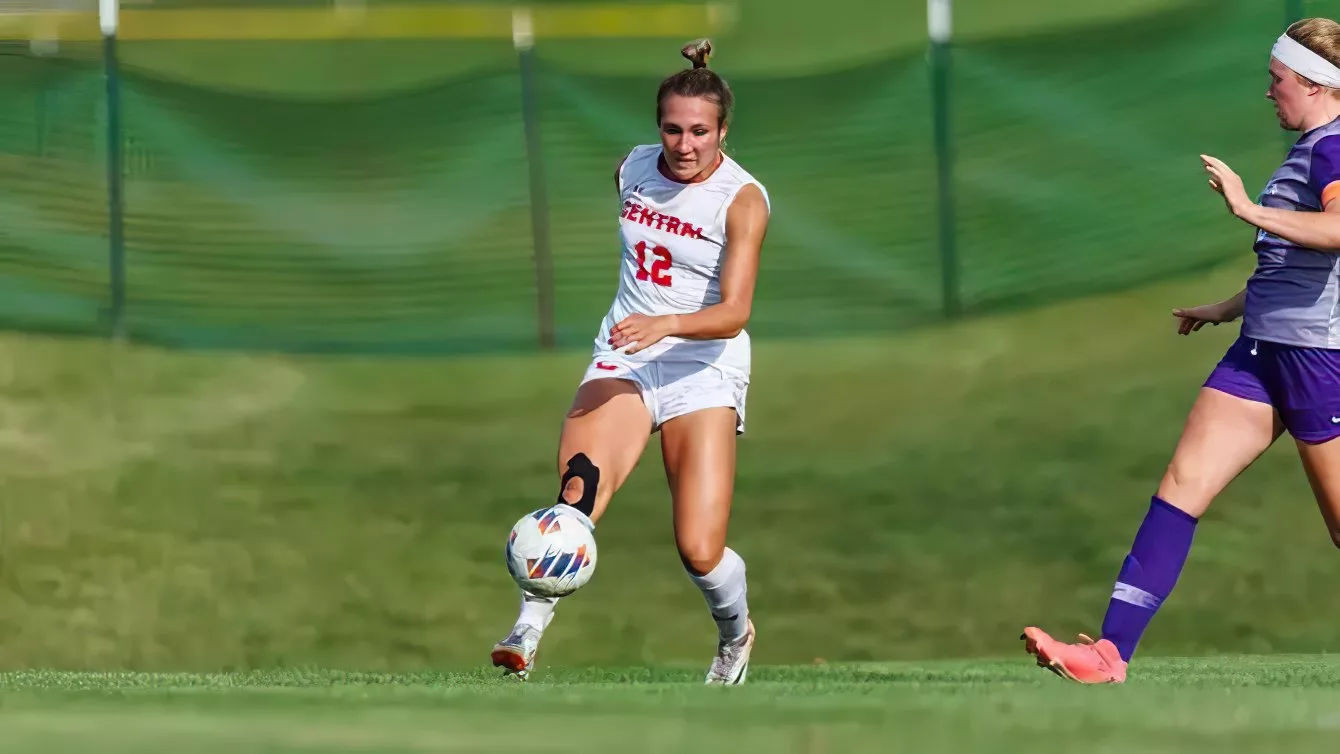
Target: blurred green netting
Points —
{"points": [[371, 195]]}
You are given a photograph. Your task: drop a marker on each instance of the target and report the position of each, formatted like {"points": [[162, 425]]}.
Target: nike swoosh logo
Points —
{"points": [[1335, 419], [606, 367]]}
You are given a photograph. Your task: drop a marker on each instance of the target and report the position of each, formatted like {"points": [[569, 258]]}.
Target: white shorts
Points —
{"points": [[676, 388]]}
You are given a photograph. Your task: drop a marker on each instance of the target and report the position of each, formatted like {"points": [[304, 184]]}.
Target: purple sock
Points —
{"points": [[1149, 574]]}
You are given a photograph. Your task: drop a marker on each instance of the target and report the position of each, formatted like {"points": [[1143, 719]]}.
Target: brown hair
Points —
{"points": [[698, 81], [1320, 35]]}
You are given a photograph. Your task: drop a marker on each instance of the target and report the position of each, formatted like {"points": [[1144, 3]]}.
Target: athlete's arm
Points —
{"points": [[1235, 307], [1191, 319], [746, 226], [1319, 231], [1313, 230]]}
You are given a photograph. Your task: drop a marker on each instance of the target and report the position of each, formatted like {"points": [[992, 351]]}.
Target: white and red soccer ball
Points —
{"points": [[550, 552]]}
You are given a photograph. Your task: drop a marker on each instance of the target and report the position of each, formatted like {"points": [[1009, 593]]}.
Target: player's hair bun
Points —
{"points": [[698, 81], [698, 52]]}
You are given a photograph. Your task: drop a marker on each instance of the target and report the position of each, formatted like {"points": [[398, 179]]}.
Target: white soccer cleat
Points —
{"points": [[731, 664], [516, 653]]}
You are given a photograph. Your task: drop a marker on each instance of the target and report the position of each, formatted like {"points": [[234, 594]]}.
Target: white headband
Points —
{"points": [[1305, 62]]}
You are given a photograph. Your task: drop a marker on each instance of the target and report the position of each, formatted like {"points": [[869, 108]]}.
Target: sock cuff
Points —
{"points": [[1159, 503], [725, 585], [721, 575], [528, 597]]}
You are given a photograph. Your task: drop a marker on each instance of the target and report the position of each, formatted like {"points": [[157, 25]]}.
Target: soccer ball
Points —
{"points": [[550, 552]]}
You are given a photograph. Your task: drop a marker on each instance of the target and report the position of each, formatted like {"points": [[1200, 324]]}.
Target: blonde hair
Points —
{"points": [[1322, 36]]}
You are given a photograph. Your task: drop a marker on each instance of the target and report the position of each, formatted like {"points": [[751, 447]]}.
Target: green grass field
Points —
{"points": [[1229, 705], [899, 498]]}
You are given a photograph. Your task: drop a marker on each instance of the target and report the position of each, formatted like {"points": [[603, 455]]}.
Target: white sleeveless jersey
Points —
{"points": [[674, 240]]}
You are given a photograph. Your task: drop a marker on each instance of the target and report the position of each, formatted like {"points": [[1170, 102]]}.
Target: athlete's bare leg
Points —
{"points": [[609, 423], [699, 455], [1322, 463], [1223, 435]]}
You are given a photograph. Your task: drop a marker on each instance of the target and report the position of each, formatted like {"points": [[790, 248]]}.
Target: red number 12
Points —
{"points": [[658, 268]]}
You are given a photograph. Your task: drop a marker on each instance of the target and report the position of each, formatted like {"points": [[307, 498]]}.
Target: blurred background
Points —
{"points": [[295, 295]]}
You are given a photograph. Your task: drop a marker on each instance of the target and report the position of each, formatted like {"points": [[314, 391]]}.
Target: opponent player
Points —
{"points": [[1283, 373], [672, 354]]}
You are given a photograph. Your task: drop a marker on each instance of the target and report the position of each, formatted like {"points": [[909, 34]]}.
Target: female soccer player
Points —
{"points": [[672, 354], [1283, 373]]}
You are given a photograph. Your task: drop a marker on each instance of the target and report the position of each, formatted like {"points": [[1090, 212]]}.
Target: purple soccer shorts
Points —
{"points": [[1302, 384]]}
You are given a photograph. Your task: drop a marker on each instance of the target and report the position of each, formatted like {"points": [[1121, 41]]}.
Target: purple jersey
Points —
{"points": [[1293, 298]]}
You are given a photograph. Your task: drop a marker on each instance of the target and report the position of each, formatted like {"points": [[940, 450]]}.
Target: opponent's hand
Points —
{"points": [[641, 331], [1196, 317], [1228, 184]]}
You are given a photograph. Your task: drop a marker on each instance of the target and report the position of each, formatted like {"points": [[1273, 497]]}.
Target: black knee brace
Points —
{"points": [[581, 467]]}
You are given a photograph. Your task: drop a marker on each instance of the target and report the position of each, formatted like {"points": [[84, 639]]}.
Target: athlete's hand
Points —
{"points": [[641, 331], [1196, 317], [1228, 184]]}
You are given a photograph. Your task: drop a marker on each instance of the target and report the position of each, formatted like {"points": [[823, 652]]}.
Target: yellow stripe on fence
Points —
{"points": [[378, 22]]}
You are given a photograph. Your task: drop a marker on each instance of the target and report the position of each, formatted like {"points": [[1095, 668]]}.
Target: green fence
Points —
{"points": [[372, 195]]}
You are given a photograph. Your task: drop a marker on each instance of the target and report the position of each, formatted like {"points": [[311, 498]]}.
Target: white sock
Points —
{"points": [[537, 611], [724, 589]]}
